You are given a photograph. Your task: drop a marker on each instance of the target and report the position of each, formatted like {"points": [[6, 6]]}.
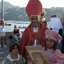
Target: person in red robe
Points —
{"points": [[34, 34]]}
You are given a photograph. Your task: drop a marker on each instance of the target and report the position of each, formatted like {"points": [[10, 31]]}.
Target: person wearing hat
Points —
{"points": [[14, 57], [51, 52], [34, 34]]}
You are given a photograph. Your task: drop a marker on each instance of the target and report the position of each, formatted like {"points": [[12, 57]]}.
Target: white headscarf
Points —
{"points": [[55, 24]]}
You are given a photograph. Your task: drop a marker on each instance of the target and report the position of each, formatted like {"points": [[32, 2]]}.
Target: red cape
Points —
{"points": [[25, 40]]}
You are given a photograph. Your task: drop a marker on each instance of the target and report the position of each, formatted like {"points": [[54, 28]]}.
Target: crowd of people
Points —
{"points": [[50, 37]]}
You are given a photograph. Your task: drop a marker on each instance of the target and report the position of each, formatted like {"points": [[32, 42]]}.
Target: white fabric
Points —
{"points": [[20, 34], [43, 19], [9, 57], [1, 29], [35, 42], [55, 24], [2, 32], [12, 60], [35, 29]]}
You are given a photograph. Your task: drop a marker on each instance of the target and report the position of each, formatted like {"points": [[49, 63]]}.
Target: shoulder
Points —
{"points": [[22, 59], [58, 54], [6, 61]]}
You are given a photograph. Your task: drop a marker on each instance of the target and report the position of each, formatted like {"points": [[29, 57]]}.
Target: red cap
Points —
{"points": [[34, 8]]}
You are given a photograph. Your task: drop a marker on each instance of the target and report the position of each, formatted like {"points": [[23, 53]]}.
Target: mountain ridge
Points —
{"points": [[12, 12]]}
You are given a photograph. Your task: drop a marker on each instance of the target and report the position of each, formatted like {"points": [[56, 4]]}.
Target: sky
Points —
{"points": [[45, 3]]}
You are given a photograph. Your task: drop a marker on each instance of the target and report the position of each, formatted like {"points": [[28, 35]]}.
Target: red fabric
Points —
{"points": [[25, 41], [34, 7]]}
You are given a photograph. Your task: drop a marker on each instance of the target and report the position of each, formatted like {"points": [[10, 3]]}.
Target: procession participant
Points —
{"points": [[14, 57], [34, 34], [53, 54]]}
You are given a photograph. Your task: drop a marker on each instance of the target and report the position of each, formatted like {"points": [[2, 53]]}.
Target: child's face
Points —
{"points": [[49, 43], [15, 51]]}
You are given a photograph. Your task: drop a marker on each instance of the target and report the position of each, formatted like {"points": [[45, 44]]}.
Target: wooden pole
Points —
{"points": [[2, 10]]}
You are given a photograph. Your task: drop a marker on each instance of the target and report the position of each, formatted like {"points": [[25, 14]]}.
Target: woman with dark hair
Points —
{"points": [[51, 52], [16, 35], [14, 57]]}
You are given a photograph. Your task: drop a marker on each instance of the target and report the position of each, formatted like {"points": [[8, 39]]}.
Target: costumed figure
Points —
{"points": [[53, 54], [34, 34]]}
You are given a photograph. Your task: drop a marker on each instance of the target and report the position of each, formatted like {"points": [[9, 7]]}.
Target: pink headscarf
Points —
{"points": [[52, 34]]}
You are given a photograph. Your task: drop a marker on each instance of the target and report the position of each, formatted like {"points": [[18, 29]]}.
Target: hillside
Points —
{"points": [[6, 5], [12, 12]]}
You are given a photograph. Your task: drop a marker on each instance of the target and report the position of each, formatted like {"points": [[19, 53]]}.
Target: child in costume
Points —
{"points": [[51, 52], [14, 57]]}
